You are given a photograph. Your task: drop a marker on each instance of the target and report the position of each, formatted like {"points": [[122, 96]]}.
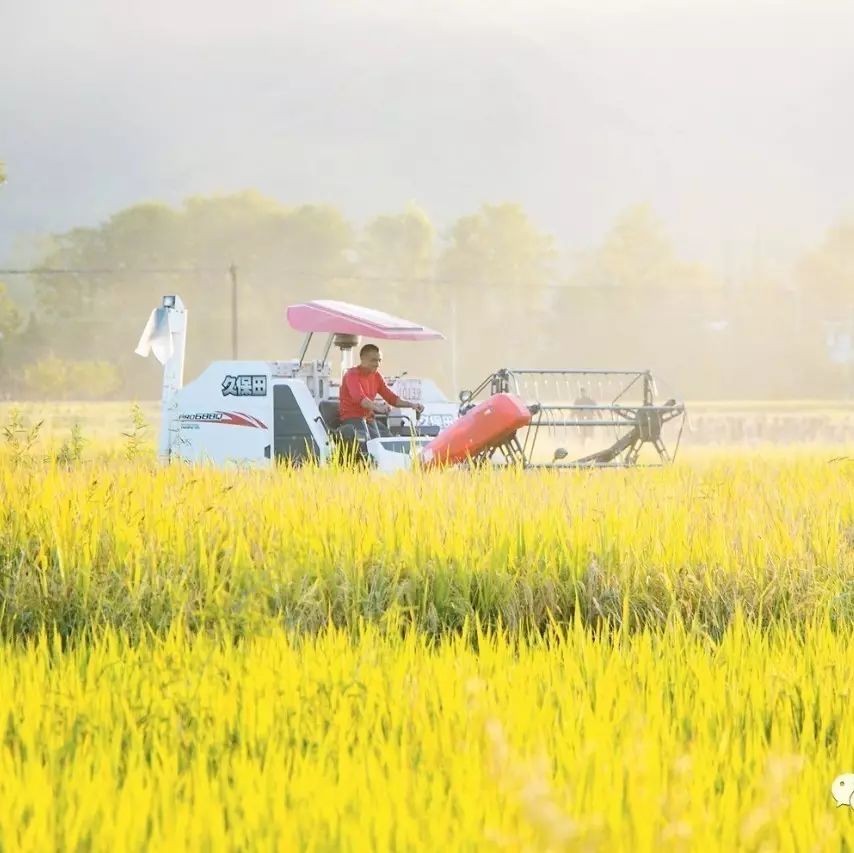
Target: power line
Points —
{"points": [[302, 274], [114, 271], [391, 281]]}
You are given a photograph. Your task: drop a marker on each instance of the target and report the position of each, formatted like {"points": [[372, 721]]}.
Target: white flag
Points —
{"points": [[157, 337]]}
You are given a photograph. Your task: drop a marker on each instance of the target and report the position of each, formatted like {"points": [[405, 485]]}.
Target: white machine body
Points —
{"points": [[253, 413]]}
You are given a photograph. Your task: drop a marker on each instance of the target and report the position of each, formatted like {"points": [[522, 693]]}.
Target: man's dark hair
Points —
{"points": [[368, 349]]}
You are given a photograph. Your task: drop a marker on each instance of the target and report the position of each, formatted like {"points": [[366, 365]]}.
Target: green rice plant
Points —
{"points": [[20, 436], [138, 436]]}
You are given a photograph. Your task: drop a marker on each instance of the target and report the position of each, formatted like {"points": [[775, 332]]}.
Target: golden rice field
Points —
{"points": [[329, 660], [374, 741]]}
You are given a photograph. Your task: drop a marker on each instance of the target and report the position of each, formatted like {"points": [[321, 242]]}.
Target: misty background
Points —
{"points": [[551, 184]]}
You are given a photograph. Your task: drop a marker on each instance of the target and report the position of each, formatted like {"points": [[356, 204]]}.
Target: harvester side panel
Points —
{"points": [[293, 437]]}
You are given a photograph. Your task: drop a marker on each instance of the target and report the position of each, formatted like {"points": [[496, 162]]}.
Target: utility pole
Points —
{"points": [[232, 271]]}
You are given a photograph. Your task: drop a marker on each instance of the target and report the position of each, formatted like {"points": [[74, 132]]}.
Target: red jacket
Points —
{"points": [[355, 386]]}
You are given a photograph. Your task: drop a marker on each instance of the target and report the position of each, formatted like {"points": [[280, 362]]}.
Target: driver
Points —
{"points": [[360, 386]]}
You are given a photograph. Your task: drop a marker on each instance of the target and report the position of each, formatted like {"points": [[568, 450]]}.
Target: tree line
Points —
{"points": [[494, 282]]}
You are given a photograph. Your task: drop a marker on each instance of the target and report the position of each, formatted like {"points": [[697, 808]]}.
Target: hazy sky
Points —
{"points": [[734, 120]]}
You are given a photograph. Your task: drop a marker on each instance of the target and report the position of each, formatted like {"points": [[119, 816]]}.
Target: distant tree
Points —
{"points": [[282, 254], [145, 236], [48, 378], [56, 379], [493, 275], [396, 260], [313, 242], [10, 316], [221, 229], [26, 345], [498, 248], [2, 172], [399, 247], [825, 299], [10, 323], [265, 238], [637, 253], [93, 380], [828, 271], [208, 234]]}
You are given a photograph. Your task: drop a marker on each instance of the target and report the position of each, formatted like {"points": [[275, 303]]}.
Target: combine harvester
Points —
{"points": [[258, 412]]}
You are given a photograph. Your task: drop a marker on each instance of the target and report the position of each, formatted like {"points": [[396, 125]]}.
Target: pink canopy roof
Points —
{"points": [[328, 315]]}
